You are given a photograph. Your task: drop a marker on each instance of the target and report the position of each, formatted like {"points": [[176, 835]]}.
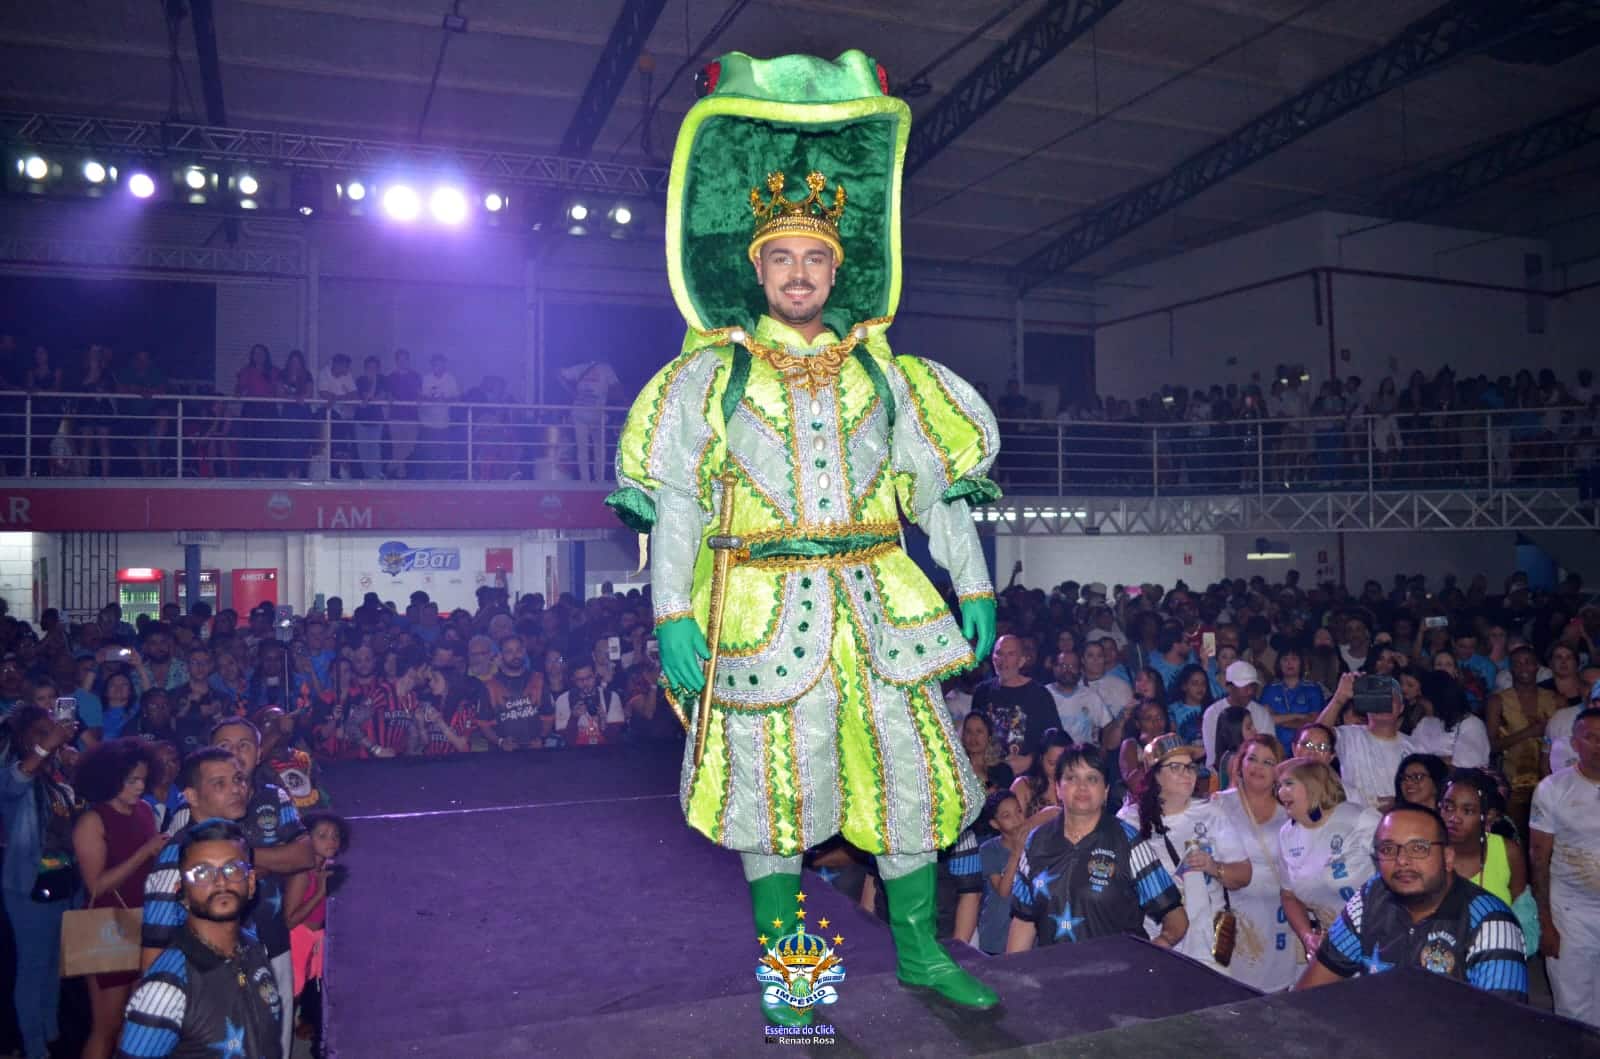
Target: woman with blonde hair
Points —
{"points": [[1324, 848]]}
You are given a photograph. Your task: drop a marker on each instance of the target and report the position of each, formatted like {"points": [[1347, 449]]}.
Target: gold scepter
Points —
{"points": [[724, 544]]}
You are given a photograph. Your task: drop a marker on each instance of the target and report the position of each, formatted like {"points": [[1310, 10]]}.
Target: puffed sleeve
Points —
{"points": [[944, 441], [672, 447]]}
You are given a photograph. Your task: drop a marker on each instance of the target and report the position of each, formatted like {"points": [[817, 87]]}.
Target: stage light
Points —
{"points": [[622, 215], [94, 172], [400, 202], [448, 205], [494, 202], [356, 191], [141, 185], [578, 212], [195, 178], [35, 168], [247, 204], [247, 184]]}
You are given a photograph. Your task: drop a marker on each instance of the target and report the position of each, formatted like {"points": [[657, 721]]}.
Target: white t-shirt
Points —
{"points": [[1367, 764], [614, 714], [959, 703], [1467, 747], [437, 388], [1558, 737], [1266, 954], [338, 385], [1325, 865], [1260, 716], [1117, 693], [1197, 827], [1566, 806], [1083, 712]]}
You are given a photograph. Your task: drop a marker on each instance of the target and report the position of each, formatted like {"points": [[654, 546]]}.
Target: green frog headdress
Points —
{"points": [[775, 123]]}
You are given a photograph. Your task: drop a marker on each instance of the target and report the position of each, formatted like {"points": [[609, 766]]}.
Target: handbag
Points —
{"points": [[100, 940], [1225, 931]]}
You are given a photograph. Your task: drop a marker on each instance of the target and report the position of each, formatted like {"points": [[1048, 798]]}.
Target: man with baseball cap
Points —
{"points": [[1243, 684]]}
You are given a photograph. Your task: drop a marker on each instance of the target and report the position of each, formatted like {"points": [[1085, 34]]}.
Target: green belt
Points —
{"points": [[818, 547]]}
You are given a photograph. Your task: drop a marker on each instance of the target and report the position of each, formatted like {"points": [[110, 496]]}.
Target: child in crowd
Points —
{"points": [[306, 898]]}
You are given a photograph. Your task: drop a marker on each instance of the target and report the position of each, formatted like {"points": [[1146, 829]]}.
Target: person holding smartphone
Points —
{"points": [[588, 714]]}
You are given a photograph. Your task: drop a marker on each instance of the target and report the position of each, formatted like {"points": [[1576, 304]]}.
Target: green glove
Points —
{"points": [[683, 648], [977, 625]]}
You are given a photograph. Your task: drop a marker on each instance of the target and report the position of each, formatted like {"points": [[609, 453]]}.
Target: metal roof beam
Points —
{"points": [[1458, 28], [1040, 39], [1505, 156], [203, 17], [611, 73]]}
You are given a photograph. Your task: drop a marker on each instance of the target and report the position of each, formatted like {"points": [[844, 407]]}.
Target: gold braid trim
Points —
{"points": [[795, 562], [817, 370], [807, 531]]}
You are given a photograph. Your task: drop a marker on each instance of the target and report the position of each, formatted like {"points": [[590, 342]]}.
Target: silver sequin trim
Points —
{"points": [[905, 666], [802, 673]]}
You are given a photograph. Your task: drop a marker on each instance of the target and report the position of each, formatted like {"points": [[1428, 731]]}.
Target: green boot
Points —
{"points": [[921, 962], [772, 897]]}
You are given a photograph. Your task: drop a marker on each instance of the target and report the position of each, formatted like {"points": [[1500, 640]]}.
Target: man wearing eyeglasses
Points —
{"points": [[1417, 912], [211, 992]]}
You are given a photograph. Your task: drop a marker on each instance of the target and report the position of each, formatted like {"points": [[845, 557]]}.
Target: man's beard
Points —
{"points": [[203, 911], [789, 316]]}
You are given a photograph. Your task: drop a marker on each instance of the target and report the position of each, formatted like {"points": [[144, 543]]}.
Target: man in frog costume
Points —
{"points": [[783, 251]]}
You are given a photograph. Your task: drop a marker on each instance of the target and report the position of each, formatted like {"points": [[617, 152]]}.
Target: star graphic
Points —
{"points": [[1067, 923], [231, 1045], [275, 902], [838, 939], [799, 913], [1376, 964], [823, 922], [777, 924], [1042, 881], [801, 897], [762, 940]]}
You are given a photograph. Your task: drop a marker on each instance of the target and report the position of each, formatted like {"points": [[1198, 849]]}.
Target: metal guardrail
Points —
{"points": [[92, 435], [75, 435]]}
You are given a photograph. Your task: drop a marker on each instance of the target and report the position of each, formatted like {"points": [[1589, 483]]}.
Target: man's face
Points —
{"points": [[200, 666], [218, 898], [239, 741], [1356, 633], [1466, 647], [221, 791], [479, 655], [1067, 669], [1525, 668], [1586, 744], [797, 275], [158, 648], [583, 679], [513, 655], [1241, 696], [366, 661], [1094, 661], [1007, 657], [317, 636], [1411, 877]]}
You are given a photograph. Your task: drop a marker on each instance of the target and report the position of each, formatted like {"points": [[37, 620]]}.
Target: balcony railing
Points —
{"points": [[78, 435]]}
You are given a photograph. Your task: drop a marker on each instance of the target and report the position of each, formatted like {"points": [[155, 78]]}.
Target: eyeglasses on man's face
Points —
{"points": [[205, 874], [1415, 850], [1181, 767]]}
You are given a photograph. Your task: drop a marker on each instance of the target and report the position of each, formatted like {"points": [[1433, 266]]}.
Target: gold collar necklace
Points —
{"points": [[813, 372]]}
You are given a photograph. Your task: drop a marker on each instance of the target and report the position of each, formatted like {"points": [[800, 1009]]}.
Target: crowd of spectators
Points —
{"points": [[1301, 779], [374, 422], [1216, 748]]}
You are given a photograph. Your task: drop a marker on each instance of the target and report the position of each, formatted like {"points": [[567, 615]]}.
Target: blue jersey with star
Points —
{"points": [[1472, 937], [1104, 884], [193, 1004]]}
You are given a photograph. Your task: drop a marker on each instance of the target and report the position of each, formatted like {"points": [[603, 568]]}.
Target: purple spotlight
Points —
{"points": [[448, 205], [141, 185], [401, 203]]}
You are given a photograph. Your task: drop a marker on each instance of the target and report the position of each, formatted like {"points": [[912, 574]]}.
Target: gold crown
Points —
{"points": [[804, 217], [801, 949]]}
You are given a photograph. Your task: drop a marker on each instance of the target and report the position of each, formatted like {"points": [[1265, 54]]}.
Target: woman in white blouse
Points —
{"points": [[1267, 954], [1324, 848], [1450, 730]]}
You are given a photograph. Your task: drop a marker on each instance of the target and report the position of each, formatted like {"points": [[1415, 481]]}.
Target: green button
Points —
{"points": [[816, 424], [874, 619], [730, 682], [894, 652], [783, 671], [943, 639], [754, 679], [805, 626], [921, 649], [824, 502], [861, 575], [867, 596], [806, 604], [799, 652], [819, 463], [805, 582]]}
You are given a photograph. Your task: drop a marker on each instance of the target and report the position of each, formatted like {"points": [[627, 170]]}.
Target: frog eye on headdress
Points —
{"points": [[705, 81], [883, 77]]}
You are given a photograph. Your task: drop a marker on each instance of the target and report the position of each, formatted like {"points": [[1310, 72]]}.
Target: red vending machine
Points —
{"points": [[210, 584], [252, 587], [139, 592]]}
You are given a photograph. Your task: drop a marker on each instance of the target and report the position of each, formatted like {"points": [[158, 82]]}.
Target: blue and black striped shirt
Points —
{"points": [[194, 1004]]}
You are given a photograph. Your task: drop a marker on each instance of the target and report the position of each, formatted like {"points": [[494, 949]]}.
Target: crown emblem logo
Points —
{"points": [[778, 215], [800, 969]]}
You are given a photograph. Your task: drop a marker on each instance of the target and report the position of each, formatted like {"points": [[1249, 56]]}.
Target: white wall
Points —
{"points": [[1046, 561], [20, 554]]}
